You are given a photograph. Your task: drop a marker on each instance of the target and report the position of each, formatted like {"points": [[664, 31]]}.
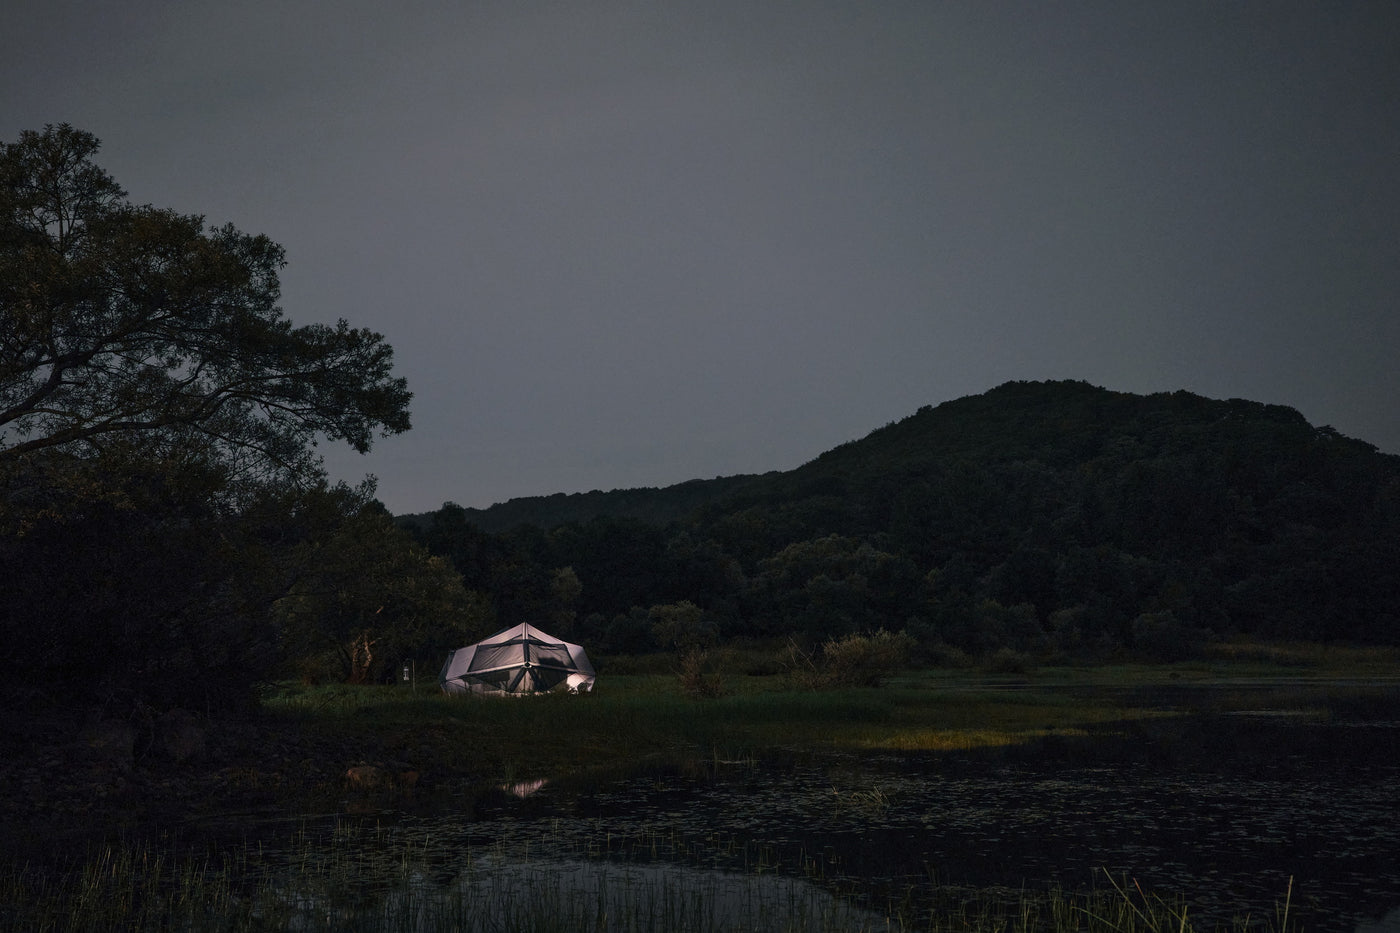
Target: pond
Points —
{"points": [[1233, 812]]}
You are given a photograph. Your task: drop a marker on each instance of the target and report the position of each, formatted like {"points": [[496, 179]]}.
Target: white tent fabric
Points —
{"points": [[519, 660]]}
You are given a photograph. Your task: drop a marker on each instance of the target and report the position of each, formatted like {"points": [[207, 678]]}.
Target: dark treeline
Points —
{"points": [[1036, 518]]}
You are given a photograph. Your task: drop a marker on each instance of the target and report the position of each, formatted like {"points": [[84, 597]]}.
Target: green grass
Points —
{"points": [[644, 716], [641, 716]]}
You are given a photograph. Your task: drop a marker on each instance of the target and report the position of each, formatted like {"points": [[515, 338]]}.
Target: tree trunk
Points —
{"points": [[361, 658]]}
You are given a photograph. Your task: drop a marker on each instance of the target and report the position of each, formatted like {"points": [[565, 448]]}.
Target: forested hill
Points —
{"points": [[1066, 513], [1059, 424], [648, 504]]}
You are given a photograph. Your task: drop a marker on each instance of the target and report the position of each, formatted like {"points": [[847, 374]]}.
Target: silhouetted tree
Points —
{"points": [[158, 417], [140, 325]]}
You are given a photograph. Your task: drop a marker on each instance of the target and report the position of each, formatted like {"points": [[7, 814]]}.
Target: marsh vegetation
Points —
{"points": [[1256, 789], [343, 886]]}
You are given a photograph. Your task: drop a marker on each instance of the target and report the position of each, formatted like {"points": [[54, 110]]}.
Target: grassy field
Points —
{"points": [[641, 716], [643, 713]]}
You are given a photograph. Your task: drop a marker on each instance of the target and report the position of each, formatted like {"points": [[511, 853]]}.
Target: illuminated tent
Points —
{"points": [[519, 660]]}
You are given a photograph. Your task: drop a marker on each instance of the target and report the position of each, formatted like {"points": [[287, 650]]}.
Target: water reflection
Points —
{"points": [[523, 789], [418, 879], [651, 896], [1233, 812], [1390, 923], [1226, 811]]}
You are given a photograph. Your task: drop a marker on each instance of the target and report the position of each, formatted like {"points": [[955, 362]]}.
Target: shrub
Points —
{"points": [[1008, 661], [942, 654], [699, 677], [1161, 636], [855, 660]]}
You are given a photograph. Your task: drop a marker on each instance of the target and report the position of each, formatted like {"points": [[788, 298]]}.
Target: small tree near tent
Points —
{"points": [[370, 597]]}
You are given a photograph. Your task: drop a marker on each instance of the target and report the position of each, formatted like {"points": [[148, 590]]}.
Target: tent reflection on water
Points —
{"points": [[518, 661]]}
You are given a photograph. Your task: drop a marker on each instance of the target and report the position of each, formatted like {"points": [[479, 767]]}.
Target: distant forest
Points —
{"points": [[1041, 518]]}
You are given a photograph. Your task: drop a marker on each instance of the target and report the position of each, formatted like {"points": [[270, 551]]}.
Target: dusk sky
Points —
{"points": [[629, 244]]}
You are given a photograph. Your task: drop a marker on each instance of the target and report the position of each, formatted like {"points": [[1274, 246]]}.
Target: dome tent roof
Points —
{"points": [[518, 661]]}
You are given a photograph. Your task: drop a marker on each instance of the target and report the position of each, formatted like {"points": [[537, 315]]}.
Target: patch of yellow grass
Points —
{"points": [[952, 740]]}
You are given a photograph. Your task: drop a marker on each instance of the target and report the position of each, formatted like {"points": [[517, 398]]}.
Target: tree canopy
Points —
{"points": [[164, 517], [124, 324]]}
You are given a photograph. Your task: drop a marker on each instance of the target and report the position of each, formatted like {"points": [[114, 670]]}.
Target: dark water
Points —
{"points": [[1233, 812]]}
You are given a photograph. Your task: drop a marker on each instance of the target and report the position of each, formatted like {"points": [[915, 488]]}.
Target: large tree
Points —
{"points": [[159, 485], [121, 322]]}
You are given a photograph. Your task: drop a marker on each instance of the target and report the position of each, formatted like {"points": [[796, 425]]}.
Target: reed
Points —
{"points": [[350, 884]]}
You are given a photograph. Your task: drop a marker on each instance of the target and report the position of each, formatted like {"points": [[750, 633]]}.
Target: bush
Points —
{"points": [[942, 654], [855, 660], [1161, 636], [699, 677], [1008, 661]]}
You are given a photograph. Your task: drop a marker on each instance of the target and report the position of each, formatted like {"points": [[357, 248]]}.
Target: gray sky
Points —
{"points": [[621, 244]]}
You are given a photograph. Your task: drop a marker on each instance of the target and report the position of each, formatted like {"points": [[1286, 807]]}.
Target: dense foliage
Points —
{"points": [[165, 523], [1035, 518], [127, 323]]}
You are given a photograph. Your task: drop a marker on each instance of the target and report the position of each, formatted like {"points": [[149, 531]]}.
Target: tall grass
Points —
{"points": [[341, 886]]}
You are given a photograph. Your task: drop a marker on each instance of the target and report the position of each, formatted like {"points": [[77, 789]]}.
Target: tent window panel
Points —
{"points": [[551, 654], [547, 680], [499, 679], [488, 656]]}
